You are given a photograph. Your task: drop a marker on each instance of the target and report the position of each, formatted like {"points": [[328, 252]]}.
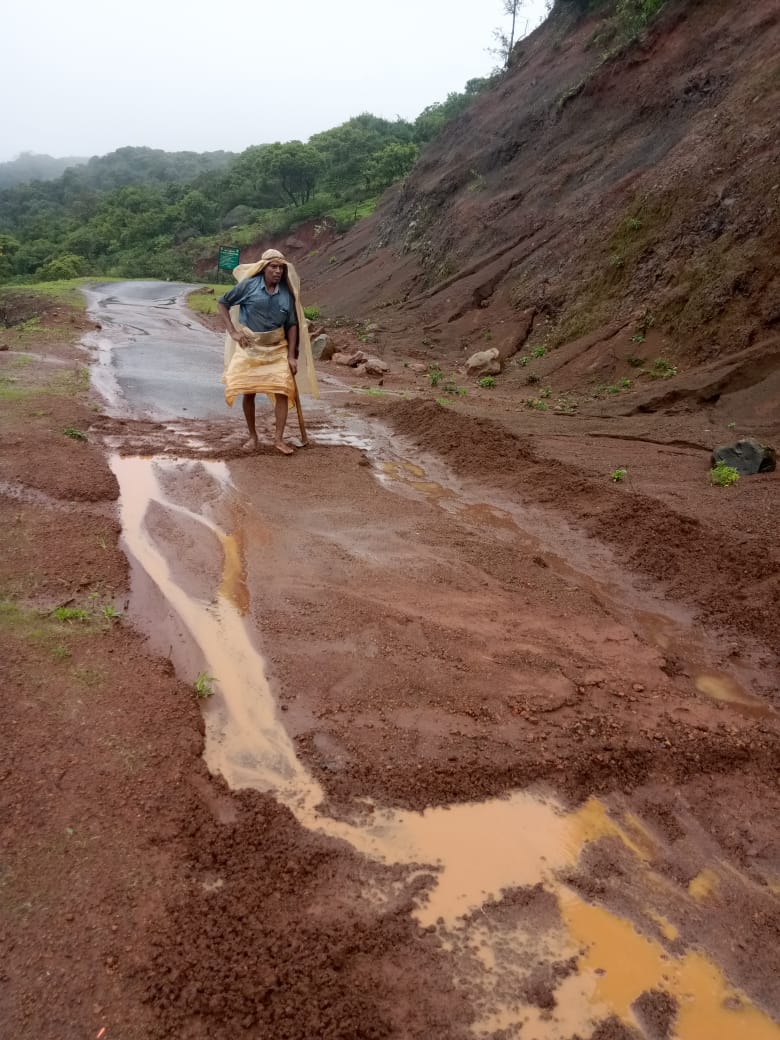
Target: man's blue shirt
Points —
{"points": [[260, 310]]}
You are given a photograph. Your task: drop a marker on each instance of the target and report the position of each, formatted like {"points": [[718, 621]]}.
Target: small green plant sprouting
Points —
{"points": [[70, 614], [539, 351], [645, 322], [663, 369], [477, 181], [487, 335], [204, 685], [435, 375], [618, 475], [612, 389], [565, 406], [525, 360], [731, 425], [722, 475], [449, 386], [539, 405], [636, 362], [74, 434], [311, 313], [634, 224], [61, 651], [487, 382], [374, 391], [547, 392], [445, 402], [110, 613], [624, 384], [533, 378]]}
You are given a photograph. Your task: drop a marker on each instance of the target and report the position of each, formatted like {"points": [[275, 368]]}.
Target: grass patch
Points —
{"points": [[67, 291], [74, 434], [206, 302], [53, 629], [10, 391], [70, 614]]}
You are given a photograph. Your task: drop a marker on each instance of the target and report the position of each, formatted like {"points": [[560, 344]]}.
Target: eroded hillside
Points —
{"points": [[608, 193]]}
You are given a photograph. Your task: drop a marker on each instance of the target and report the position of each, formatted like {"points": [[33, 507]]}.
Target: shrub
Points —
{"points": [[722, 475]]}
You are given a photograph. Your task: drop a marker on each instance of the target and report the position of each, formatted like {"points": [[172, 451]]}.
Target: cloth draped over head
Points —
{"points": [[306, 378]]}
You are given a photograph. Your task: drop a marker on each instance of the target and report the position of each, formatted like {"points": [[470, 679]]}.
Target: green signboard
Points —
{"points": [[228, 258]]}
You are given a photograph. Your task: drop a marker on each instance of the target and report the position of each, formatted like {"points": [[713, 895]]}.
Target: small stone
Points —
{"points": [[376, 367], [318, 345], [484, 363], [638, 687]]}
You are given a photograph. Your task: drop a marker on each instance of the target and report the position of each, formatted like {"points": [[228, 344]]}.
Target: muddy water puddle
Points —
{"points": [[474, 853]]}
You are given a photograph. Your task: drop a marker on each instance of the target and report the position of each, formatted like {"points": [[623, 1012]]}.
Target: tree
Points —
{"points": [[392, 163], [67, 266], [296, 167], [506, 41], [9, 247]]}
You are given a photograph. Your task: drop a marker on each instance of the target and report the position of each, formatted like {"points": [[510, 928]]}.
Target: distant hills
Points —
{"points": [[31, 167], [124, 166]]}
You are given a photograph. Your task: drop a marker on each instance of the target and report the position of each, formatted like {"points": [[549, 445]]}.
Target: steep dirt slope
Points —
{"points": [[620, 198]]}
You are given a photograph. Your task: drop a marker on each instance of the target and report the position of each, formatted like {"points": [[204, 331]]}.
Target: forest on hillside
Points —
{"points": [[144, 212]]}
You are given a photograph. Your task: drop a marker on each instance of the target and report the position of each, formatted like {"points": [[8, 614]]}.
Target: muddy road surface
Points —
{"points": [[468, 772]]}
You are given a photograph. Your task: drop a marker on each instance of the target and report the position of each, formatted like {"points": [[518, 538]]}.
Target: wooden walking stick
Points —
{"points": [[299, 410]]}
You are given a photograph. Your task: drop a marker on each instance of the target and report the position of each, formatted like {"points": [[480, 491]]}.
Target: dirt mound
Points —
{"points": [[734, 581], [336, 971]]}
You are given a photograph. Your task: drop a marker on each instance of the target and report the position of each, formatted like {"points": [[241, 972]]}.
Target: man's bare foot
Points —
{"points": [[252, 444], [285, 449]]}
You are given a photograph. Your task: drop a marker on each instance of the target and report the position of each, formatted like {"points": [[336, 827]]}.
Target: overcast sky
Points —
{"points": [[83, 77]]}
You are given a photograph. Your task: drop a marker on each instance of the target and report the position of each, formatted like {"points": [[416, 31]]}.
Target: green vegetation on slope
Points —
{"points": [[142, 212]]}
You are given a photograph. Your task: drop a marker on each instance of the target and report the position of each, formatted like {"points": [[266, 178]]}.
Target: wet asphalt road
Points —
{"points": [[154, 358]]}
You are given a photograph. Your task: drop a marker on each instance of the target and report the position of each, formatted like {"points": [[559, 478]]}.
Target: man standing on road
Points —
{"points": [[267, 344]]}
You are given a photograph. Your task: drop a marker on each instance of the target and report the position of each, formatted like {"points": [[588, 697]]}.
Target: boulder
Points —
{"points": [[318, 344], [747, 456], [376, 367], [351, 360], [419, 366], [484, 363]]}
